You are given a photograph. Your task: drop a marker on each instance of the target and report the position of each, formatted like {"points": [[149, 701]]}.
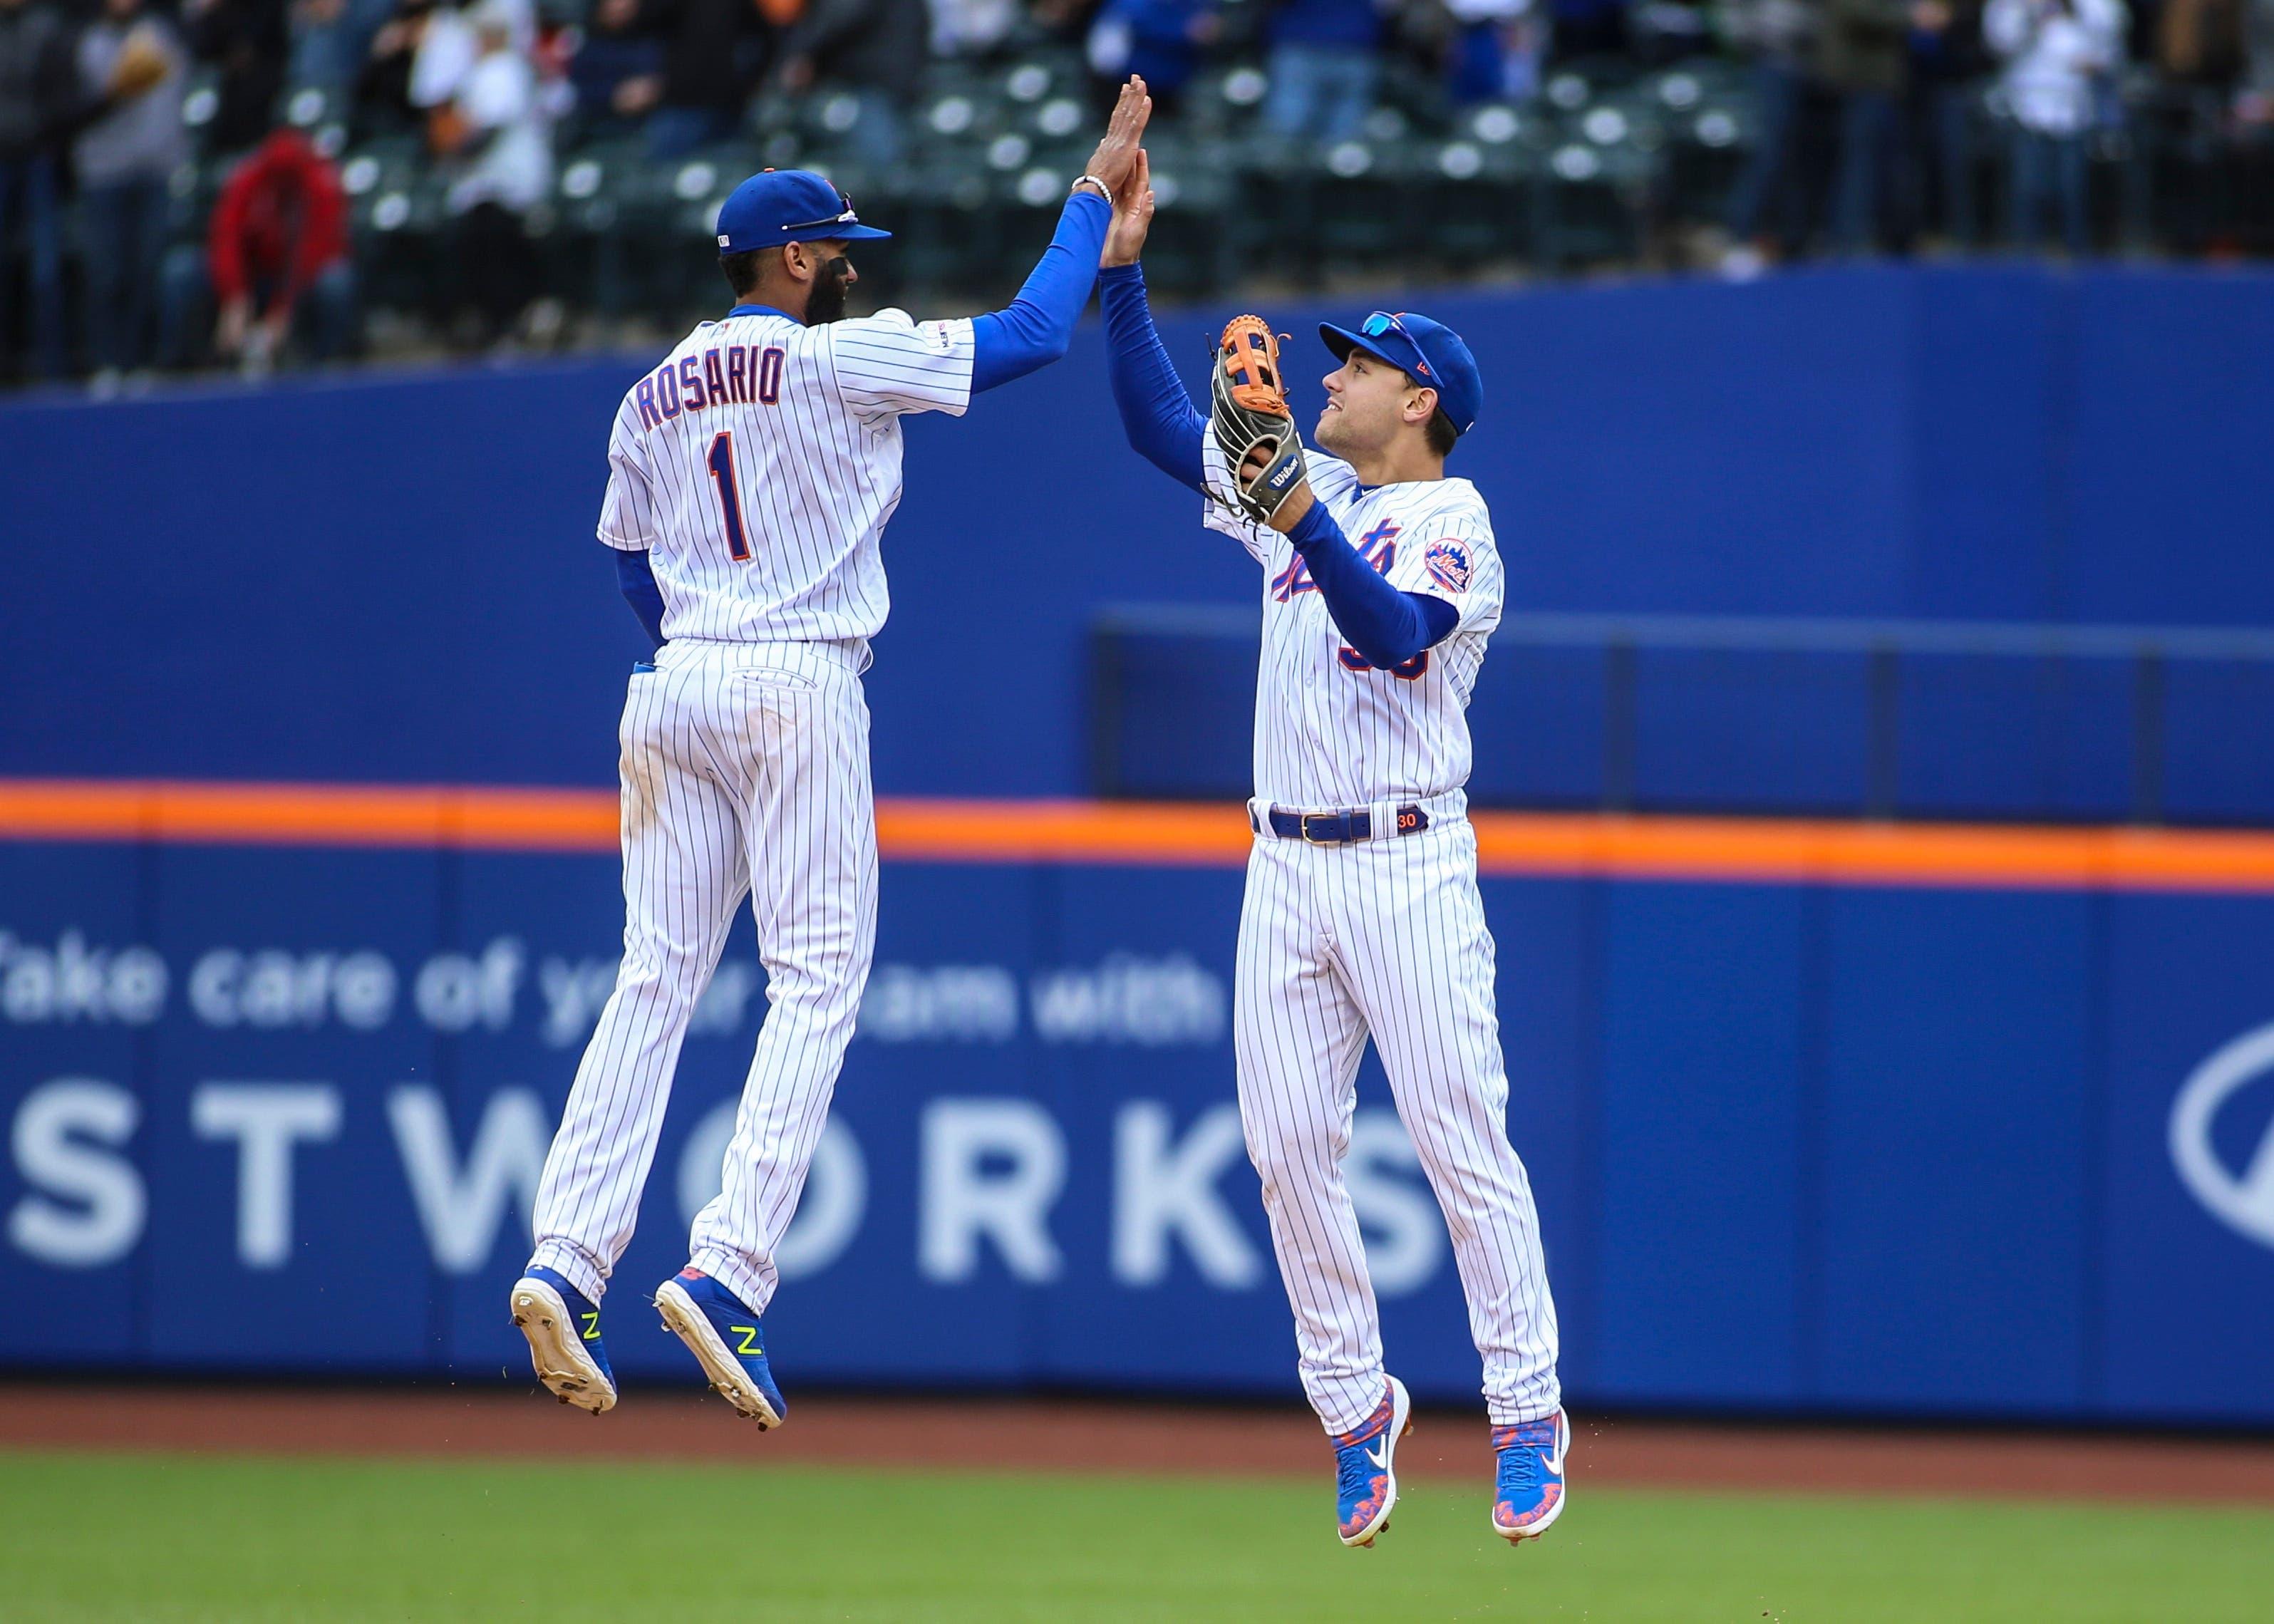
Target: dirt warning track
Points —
{"points": [[1100, 1436]]}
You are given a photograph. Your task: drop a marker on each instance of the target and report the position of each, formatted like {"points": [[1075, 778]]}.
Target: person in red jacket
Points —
{"points": [[275, 263]]}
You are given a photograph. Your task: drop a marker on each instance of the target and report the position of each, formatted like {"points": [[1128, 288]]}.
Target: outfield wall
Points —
{"points": [[1841, 1128], [394, 579], [1900, 1129]]}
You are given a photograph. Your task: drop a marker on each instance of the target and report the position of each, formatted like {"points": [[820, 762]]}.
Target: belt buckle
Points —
{"points": [[1303, 828]]}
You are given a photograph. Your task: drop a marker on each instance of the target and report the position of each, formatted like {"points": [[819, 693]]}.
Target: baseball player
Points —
{"points": [[1381, 584], [750, 477]]}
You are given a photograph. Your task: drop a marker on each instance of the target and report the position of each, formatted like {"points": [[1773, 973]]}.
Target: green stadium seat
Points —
{"points": [[1191, 251], [1056, 122], [1478, 201], [1596, 200], [1225, 102]]}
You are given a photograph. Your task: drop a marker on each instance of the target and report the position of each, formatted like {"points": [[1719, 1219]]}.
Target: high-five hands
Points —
{"points": [[1118, 153], [1132, 216]]}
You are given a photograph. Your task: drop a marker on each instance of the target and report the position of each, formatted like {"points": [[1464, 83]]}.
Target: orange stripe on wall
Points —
{"points": [[1997, 857], [519, 820]]}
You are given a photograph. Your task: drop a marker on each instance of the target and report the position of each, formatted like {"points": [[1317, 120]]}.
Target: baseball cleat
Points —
{"points": [[1528, 1488], [725, 1340], [563, 1327], [1366, 1480]]}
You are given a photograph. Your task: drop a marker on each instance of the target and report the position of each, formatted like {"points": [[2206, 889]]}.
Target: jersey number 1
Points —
{"points": [[730, 495]]}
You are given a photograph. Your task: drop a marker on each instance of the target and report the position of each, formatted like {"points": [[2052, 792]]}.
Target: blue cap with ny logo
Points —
{"points": [[787, 206], [1428, 352]]}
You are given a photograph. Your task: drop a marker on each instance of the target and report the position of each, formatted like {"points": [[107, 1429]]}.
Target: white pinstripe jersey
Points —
{"points": [[758, 464], [1330, 730]]}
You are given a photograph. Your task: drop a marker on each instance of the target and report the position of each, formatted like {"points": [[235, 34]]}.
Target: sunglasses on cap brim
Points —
{"points": [[847, 218]]}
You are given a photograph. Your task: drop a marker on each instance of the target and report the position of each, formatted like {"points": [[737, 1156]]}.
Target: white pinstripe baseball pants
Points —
{"points": [[745, 769], [1386, 937]]}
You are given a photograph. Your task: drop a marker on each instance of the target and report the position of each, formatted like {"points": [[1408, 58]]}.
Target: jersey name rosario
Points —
{"points": [[758, 464]]}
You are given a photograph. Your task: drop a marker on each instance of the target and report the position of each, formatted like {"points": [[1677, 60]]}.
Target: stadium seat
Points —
{"points": [[1478, 200], [1708, 119], [1602, 183], [1193, 249], [1223, 103]]}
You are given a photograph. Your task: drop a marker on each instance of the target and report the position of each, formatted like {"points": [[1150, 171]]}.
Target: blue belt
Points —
{"points": [[1342, 828]]}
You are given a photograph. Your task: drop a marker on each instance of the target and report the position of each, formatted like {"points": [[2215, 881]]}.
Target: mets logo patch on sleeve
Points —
{"points": [[1448, 564]]}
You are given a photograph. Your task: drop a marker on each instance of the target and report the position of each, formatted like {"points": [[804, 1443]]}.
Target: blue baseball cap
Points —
{"points": [[1428, 352], [787, 206]]}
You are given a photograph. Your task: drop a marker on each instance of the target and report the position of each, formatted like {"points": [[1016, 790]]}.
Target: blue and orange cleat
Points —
{"points": [[725, 1340], [563, 1327], [1528, 1488], [1366, 1480]]}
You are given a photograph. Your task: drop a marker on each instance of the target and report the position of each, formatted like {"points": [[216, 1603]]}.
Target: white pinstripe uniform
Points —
{"points": [[756, 466], [1384, 938]]}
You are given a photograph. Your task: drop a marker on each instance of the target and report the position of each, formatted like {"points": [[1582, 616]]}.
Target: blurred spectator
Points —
{"points": [[275, 263], [248, 41], [44, 102], [382, 92], [38, 91], [1324, 63], [874, 48], [618, 71], [2254, 127], [2200, 41], [1496, 50], [2255, 101], [1946, 69], [971, 27], [1162, 39], [1780, 35], [2054, 51], [126, 159], [1864, 55], [713, 53], [1065, 21], [331, 39], [1588, 28], [489, 124]]}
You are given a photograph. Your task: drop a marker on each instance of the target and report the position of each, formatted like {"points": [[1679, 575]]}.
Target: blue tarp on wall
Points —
{"points": [[394, 579]]}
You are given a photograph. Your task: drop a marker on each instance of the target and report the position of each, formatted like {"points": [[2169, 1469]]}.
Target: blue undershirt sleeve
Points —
{"points": [[1035, 328], [1386, 626], [636, 578], [1163, 425]]}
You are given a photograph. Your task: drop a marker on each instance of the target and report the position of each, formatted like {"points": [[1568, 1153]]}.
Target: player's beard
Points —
{"points": [[826, 302]]}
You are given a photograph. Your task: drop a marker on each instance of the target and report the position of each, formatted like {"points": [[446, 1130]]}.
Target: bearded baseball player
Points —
{"points": [[1362, 916], [750, 477]]}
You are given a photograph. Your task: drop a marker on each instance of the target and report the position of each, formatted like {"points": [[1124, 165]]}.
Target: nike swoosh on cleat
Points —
{"points": [[1382, 1459]]}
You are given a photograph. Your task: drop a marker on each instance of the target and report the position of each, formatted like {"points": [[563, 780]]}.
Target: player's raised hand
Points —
{"points": [[1116, 157], [1132, 216]]}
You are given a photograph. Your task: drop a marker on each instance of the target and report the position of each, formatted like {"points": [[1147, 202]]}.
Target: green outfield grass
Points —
{"points": [[172, 1537]]}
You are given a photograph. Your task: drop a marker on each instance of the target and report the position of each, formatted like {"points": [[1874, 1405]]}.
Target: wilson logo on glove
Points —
{"points": [[1249, 418]]}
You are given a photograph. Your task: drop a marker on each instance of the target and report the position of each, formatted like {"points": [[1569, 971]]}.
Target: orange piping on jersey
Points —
{"points": [[1541, 845]]}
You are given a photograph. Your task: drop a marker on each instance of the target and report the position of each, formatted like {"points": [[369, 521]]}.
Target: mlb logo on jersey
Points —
{"points": [[1448, 564]]}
